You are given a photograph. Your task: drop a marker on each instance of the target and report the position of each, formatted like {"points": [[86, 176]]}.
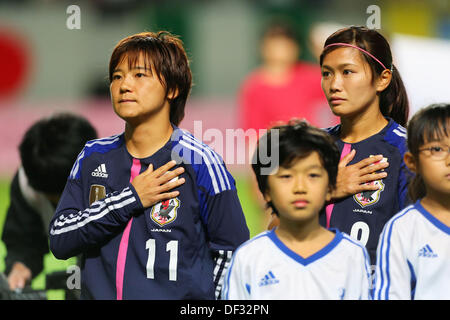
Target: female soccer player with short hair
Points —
{"points": [[146, 229]]}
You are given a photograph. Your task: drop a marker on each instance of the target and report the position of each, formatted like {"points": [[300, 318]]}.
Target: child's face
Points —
{"points": [[347, 82], [299, 192], [433, 167], [137, 93]]}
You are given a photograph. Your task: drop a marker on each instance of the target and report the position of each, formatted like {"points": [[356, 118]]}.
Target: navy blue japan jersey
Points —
{"points": [[364, 215], [176, 249]]}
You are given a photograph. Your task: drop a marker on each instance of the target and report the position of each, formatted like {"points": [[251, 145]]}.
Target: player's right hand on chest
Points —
{"points": [[153, 186], [355, 178]]}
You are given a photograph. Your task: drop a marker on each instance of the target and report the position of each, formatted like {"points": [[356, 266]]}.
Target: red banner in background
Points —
{"points": [[14, 62]]}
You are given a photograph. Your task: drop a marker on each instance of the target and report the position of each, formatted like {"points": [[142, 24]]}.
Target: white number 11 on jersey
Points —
{"points": [[172, 247]]}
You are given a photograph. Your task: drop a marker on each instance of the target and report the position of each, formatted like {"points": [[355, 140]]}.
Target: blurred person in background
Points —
{"points": [[47, 152], [283, 87]]}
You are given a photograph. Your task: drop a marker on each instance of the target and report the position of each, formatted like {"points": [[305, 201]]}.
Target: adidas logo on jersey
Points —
{"points": [[100, 171], [268, 279], [427, 252]]}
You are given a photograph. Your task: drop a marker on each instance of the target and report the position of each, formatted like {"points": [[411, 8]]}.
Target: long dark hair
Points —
{"points": [[393, 100], [428, 124]]}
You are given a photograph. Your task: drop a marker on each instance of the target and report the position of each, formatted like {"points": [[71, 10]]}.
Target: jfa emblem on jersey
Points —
{"points": [[369, 197], [165, 212]]}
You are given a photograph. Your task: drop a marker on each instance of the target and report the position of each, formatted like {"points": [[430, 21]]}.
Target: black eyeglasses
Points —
{"points": [[438, 152]]}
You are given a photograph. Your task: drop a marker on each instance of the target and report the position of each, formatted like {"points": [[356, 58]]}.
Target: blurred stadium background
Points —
{"points": [[46, 67]]}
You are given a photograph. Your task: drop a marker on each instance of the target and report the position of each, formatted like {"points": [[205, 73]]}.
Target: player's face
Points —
{"points": [[347, 83], [434, 167], [136, 92], [300, 191]]}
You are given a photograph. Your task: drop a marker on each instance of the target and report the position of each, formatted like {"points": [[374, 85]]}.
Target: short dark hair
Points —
{"points": [[165, 52], [297, 140], [50, 147], [431, 123]]}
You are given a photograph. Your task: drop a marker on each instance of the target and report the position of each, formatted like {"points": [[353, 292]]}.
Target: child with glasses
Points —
{"points": [[413, 256]]}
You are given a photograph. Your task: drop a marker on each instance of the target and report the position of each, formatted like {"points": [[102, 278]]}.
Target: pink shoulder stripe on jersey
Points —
{"points": [[123, 247], [329, 208]]}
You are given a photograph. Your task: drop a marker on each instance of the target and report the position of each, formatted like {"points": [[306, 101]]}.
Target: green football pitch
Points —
{"points": [[251, 210]]}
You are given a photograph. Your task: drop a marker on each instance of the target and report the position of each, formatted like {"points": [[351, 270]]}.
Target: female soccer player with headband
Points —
{"points": [[364, 89]]}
